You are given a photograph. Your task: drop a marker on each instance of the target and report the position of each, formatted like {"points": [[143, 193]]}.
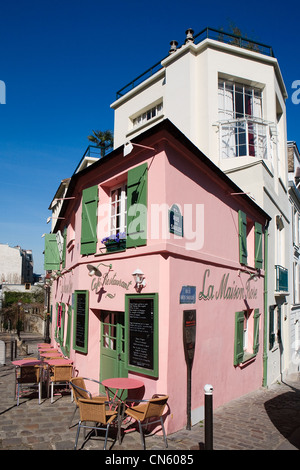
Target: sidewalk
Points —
{"points": [[268, 419]]}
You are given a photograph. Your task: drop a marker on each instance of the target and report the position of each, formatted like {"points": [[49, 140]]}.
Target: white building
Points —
{"points": [[294, 194], [16, 265], [228, 97]]}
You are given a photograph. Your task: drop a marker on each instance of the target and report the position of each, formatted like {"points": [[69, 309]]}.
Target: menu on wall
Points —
{"points": [[141, 333], [80, 319]]}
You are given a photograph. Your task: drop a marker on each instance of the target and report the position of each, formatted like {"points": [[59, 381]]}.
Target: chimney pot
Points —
{"points": [[173, 47], [189, 35]]}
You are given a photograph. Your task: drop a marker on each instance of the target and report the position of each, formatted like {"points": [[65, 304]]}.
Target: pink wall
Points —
{"points": [[174, 177]]}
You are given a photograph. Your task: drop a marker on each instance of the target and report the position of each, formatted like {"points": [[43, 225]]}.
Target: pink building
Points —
{"points": [[199, 243]]}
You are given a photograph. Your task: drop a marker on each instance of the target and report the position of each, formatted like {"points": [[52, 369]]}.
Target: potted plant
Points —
{"points": [[115, 242]]}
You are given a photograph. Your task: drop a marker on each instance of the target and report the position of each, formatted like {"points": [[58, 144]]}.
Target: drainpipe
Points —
{"points": [[265, 352]]}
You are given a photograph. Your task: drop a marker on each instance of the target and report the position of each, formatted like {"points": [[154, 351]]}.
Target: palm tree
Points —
{"points": [[102, 139]]}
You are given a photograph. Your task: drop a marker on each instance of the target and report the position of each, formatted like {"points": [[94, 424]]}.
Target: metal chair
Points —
{"points": [[28, 377], [60, 375], [94, 410], [80, 391], [147, 409]]}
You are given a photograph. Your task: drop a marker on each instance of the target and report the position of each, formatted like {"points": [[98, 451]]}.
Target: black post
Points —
{"points": [[189, 396], [208, 418]]}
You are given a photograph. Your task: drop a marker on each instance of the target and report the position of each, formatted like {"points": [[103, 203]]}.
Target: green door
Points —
{"points": [[112, 345]]}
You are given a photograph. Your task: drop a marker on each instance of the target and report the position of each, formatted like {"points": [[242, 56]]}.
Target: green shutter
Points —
{"points": [[69, 328], [89, 220], [137, 206], [239, 338], [256, 331], [243, 237], [258, 246], [51, 256], [64, 249]]}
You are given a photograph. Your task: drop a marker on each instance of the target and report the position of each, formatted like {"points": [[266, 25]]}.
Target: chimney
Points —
{"points": [[189, 35], [173, 47]]}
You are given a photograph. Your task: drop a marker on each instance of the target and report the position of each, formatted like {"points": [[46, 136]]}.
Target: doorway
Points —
{"points": [[112, 345]]}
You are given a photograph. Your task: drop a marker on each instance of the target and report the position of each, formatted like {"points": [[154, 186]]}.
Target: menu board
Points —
{"points": [[81, 321], [141, 333]]}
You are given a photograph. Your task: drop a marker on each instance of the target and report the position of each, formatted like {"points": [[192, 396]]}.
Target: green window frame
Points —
{"points": [[240, 355], [145, 329], [81, 321], [62, 325], [137, 183], [64, 248], [89, 221], [69, 330], [51, 253]]}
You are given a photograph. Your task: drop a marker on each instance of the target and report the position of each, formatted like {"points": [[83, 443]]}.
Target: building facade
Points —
{"points": [[227, 95], [161, 275], [16, 265], [294, 195]]}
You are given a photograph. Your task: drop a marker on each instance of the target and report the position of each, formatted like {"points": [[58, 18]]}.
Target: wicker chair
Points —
{"points": [[80, 391], [60, 375], [147, 409], [28, 377], [94, 410]]}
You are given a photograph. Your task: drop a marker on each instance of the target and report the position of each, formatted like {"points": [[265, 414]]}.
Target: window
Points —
{"points": [[250, 242], [118, 210], [274, 326], [246, 342], [147, 115], [243, 131]]}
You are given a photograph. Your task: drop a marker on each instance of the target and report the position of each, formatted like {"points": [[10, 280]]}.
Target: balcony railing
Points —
{"points": [[207, 33], [95, 151], [281, 279]]}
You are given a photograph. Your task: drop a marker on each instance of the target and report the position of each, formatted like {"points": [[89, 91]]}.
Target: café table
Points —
{"points": [[59, 361], [51, 354], [120, 384]]}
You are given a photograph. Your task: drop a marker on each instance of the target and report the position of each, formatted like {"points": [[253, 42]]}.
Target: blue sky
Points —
{"points": [[63, 61]]}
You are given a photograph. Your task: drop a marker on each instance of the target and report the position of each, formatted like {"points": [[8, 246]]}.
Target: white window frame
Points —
{"points": [[147, 115], [237, 124], [115, 225]]}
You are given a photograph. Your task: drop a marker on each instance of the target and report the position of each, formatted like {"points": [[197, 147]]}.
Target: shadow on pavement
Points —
{"points": [[284, 413]]}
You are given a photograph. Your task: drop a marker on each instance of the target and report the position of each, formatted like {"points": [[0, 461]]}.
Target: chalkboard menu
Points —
{"points": [[81, 323], [142, 333]]}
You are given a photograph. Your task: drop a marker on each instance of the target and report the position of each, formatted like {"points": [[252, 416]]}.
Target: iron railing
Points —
{"points": [[207, 33]]}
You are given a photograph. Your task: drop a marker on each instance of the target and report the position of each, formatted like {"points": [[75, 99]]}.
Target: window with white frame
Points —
{"points": [[147, 115], [243, 130], [118, 209]]}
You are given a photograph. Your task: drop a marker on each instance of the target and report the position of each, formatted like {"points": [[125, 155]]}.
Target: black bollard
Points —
{"points": [[208, 417]]}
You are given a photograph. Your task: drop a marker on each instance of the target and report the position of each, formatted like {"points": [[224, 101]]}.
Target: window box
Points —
{"points": [[115, 242], [116, 246]]}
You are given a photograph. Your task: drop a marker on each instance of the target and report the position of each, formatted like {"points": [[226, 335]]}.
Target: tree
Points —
{"points": [[102, 139]]}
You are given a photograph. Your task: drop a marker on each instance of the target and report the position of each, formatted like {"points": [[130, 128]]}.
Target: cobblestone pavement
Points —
{"points": [[268, 419]]}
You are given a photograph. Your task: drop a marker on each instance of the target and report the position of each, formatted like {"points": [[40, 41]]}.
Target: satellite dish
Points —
{"points": [[93, 271]]}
